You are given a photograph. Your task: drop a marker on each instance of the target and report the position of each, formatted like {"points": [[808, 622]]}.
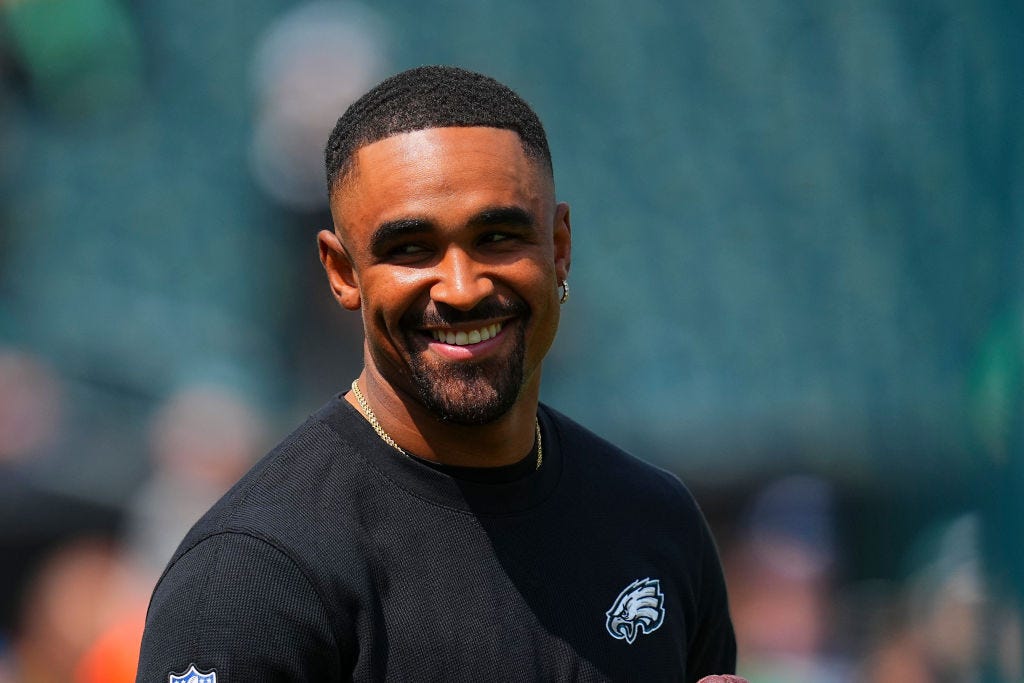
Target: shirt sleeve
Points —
{"points": [[237, 606], [712, 649]]}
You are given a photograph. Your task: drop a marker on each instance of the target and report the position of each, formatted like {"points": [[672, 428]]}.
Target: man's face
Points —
{"points": [[455, 248]]}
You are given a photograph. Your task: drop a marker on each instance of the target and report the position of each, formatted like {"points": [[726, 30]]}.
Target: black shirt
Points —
{"points": [[337, 558]]}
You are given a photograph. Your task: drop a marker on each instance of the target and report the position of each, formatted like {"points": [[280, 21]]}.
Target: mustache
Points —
{"points": [[442, 315]]}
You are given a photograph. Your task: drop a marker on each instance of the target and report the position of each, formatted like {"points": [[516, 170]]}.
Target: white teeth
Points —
{"points": [[464, 338]]}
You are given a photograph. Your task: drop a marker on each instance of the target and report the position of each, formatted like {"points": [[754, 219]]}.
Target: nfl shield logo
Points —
{"points": [[193, 676]]}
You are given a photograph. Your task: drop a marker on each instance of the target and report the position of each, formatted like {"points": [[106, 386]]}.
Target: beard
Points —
{"points": [[470, 393]]}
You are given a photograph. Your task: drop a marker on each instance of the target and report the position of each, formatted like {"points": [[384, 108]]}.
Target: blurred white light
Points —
{"points": [[309, 67]]}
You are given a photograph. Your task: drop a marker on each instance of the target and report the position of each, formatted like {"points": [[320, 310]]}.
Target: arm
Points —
{"points": [[238, 606], [712, 650]]}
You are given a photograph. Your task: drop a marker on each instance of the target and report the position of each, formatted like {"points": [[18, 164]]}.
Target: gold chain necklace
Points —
{"points": [[386, 438]]}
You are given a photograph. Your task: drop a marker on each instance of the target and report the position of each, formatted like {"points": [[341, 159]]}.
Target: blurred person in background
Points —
{"points": [[30, 408], [436, 521], [937, 631], [311, 63], [780, 572], [61, 610], [202, 439], [59, 558], [75, 591]]}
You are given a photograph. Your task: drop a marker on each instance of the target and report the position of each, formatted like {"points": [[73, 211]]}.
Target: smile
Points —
{"points": [[465, 338]]}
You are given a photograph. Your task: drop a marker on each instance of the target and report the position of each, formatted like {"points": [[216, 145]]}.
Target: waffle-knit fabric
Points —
{"points": [[335, 558]]}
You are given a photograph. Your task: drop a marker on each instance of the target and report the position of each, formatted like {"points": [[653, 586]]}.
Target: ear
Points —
{"points": [[563, 241], [340, 273]]}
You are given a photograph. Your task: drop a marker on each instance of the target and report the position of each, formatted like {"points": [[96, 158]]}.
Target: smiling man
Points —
{"points": [[436, 522], [450, 243]]}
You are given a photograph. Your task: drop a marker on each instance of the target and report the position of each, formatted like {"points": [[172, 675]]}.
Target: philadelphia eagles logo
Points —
{"points": [[640, 608]]}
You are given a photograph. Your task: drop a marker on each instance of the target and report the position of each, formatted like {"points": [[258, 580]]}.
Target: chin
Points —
{"points": [[477, 396], [470, 393]]}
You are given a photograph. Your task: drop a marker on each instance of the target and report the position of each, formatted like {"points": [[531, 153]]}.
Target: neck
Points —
{"points": [[502, 442]]}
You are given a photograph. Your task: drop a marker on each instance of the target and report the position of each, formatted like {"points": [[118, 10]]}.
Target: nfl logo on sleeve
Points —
{"points": [[193, 675]]}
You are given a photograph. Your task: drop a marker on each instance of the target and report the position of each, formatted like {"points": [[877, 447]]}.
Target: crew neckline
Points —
{"points": [[502, 474], [506, 489]]}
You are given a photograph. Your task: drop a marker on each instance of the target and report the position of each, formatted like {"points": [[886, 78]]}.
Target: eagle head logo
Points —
{"points": [[640, 608]]}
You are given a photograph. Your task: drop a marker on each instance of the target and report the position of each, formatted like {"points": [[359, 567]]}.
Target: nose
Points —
{"points": [[460, 281]]}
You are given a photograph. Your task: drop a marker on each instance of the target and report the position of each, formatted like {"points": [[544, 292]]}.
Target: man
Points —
{"points": [[436, 522]]}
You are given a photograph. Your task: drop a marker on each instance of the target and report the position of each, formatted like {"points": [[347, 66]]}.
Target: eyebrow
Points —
{"points": [[503, 215], [389, 231]]}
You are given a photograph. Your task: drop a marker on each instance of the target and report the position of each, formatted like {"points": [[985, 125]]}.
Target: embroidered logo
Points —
{"points": [[193, 675], [640, 608]]}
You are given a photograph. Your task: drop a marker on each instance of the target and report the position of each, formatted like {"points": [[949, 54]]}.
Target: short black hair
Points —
{"points": [[431, 97]]}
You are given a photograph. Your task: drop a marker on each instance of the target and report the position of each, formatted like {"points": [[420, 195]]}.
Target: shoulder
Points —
{"points": [[602, 463], [629, 492], [260, 555], [646, 511], [304, 485], [213, 608]]}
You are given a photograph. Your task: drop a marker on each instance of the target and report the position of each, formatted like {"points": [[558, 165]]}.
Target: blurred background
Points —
{"points": [[797, 282]]}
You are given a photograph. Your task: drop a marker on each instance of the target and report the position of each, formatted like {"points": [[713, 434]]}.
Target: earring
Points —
{"points": [[564, 284]]}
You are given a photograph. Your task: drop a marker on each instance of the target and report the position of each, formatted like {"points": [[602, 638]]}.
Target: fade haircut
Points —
{"points": [[431, 97]]}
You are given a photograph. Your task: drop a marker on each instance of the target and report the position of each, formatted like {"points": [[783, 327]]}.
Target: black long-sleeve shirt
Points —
{"points": [[337, 558]]}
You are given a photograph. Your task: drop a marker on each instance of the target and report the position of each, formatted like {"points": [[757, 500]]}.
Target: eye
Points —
{"points": [[502, 240], [406, 252], [493, 237]]}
